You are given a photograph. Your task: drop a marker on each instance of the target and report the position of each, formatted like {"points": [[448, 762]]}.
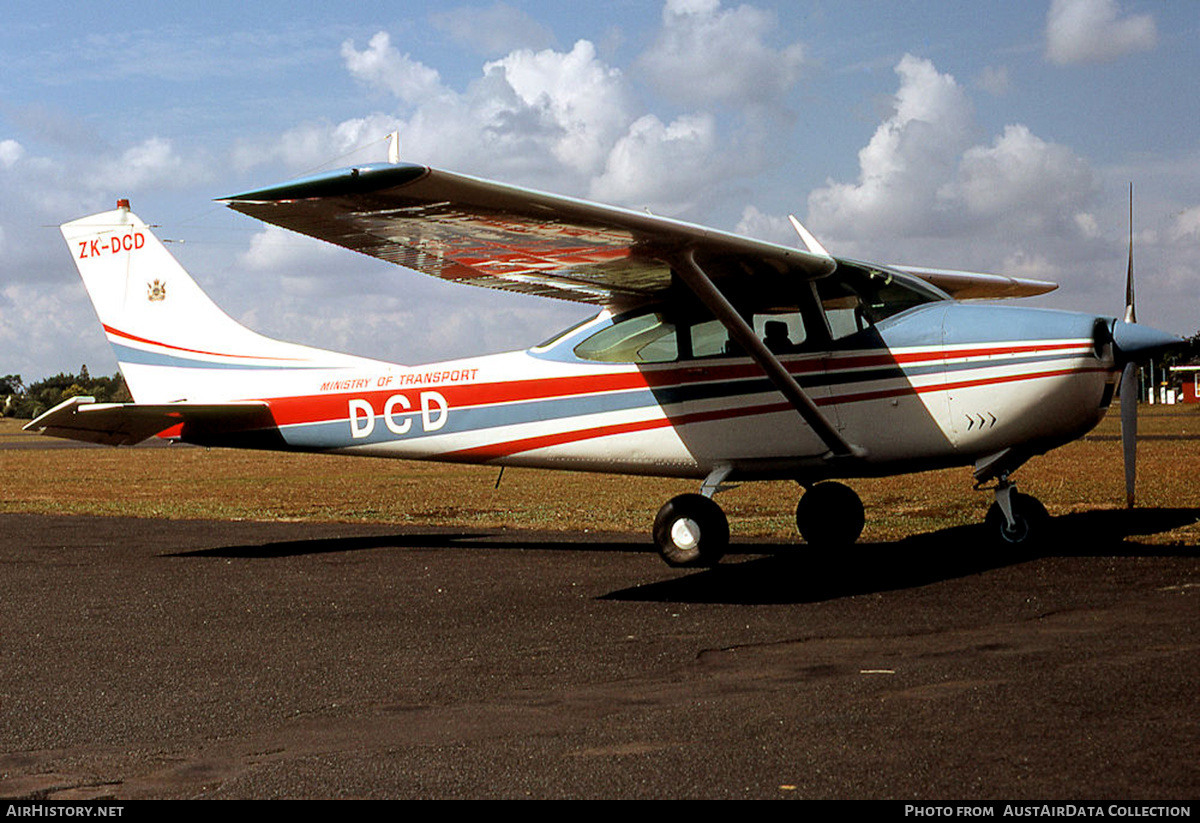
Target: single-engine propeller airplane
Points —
{"points": [[714, 356]]}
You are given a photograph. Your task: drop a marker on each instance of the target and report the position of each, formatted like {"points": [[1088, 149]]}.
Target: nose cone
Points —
{"points": [[1134, 343]]}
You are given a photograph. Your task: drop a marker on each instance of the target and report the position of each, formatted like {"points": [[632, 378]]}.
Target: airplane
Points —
{"points": [[713, 356]]}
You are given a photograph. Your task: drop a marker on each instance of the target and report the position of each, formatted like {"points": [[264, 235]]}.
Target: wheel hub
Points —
{"points": [[685, 533]]}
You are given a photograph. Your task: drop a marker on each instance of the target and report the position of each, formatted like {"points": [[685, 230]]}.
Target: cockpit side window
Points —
{"points": [[640, 338], [782, 331], [709, 339]]}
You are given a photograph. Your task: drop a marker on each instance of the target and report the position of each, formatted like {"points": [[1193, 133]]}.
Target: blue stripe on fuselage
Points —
{"points": [[460, 419]]}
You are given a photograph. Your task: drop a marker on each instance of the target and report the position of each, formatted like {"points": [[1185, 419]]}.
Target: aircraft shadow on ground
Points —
{"points": [[419, 539], [786, 572], [796, 575]]}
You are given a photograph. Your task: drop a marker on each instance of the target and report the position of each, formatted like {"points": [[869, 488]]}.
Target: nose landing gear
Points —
{"points": [[1016, 519]]}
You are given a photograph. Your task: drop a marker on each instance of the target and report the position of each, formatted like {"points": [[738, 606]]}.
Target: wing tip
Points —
{"points": [[969, 285], [339, 182]]}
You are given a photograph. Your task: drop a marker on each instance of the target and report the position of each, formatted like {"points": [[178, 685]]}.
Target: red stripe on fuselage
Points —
{"points": [[298, 410], [496, 450], [128, 336]]}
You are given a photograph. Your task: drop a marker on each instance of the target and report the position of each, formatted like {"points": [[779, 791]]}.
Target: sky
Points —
{"points": [[988, 136]]}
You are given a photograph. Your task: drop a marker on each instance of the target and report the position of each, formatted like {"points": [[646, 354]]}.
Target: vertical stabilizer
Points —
{"points": [[171, 340]]}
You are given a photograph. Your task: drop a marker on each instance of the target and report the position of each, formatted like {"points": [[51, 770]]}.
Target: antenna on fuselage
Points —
{"points": [[394, 147]]}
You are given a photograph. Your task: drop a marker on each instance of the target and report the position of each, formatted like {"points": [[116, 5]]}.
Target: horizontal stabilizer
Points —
{"points": [[124, 424], [970, 285]]}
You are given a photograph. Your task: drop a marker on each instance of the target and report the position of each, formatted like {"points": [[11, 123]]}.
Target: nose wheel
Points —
{"points": [[1016, 519]]}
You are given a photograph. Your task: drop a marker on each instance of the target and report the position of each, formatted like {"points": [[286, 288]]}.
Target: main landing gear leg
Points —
{"points": [[830, 516], [691, 530], [1016, 519]]}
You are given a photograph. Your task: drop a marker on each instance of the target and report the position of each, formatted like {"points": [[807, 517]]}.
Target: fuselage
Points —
{"points": [[940, 384]]}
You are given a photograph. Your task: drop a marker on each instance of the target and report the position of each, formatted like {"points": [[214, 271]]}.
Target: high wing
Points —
{"points": [[970, 285], [484, 233], [476, 231]]}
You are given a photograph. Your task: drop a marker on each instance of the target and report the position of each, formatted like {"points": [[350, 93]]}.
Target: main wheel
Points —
{"points": [[691, 530], [830, 516], [1031, 526]]}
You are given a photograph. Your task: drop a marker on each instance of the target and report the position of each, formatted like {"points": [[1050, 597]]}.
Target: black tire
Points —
{"points": [[691, 531], [1032, 522], [830, 516]]}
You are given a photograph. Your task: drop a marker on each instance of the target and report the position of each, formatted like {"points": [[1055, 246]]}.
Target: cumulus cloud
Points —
{"points": [[1093, 31], [582, 100], [357, 140], [922, 175], [1185, 226], [497, 29], [276, 249], [562, 120], [768, 227], [153, 162], [705, 54], [1087, 225], [10, 152], [567, 120], [663, 166], [1035, 266], [908, 159], [382, 66], [1021, 177], [35, 320]]}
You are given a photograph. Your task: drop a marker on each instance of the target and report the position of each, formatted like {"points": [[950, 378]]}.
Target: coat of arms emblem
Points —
{"points": [[156, 291]]}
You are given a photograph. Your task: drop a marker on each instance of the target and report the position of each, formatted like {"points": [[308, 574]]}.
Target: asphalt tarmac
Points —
{"points": [[189, 659]]}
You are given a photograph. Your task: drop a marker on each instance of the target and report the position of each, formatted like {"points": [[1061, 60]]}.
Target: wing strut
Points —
{"points": [[690, 272]]}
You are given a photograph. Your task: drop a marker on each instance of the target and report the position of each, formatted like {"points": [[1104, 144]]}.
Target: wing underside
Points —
{"points": [[969, 285], [489, 234]]}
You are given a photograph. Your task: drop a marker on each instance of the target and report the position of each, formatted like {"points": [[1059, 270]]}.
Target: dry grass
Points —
{"points": [[182, 482]]}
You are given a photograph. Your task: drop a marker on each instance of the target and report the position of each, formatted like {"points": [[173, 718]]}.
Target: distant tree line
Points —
{"points": [[27, 402]]}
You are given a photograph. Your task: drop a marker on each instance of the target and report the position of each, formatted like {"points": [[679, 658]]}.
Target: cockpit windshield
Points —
{"points": [[858, 297]]}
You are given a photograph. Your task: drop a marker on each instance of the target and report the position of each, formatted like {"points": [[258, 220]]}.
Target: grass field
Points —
{"points": [[185, 482]]}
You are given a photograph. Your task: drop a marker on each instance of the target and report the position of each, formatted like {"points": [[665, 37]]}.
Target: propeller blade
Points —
{"points": [[1129, 377], [1130, 311]]}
